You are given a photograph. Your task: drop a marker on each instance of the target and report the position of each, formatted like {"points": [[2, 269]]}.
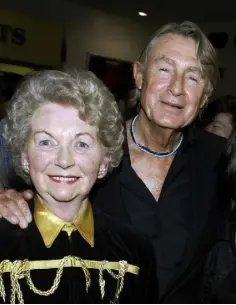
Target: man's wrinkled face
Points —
{"points": [[172, 85]]}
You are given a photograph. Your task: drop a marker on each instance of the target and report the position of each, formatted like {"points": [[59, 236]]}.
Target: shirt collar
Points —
{"points": [[49, 225]]}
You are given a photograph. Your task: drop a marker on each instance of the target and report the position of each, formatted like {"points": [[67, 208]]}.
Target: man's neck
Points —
{"points": [[155, 137]]}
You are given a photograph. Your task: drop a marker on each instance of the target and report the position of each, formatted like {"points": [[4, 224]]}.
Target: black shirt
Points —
{"points": [[176, 223], [220, 269]]}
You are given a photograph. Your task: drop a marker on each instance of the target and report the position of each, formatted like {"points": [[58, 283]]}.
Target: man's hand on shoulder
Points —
{"points": [[14, 207]]}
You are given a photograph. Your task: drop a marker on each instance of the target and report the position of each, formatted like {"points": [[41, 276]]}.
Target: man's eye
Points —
{"points": [[193, 79], [164, 69]]}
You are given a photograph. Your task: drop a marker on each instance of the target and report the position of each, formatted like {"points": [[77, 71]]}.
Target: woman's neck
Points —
{"points": [[66, 211]]}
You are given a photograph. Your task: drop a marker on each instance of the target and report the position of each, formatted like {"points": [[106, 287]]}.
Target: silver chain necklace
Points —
{"points": [[147, 150]]}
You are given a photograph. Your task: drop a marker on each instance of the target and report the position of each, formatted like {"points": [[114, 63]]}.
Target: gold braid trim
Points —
{"points": [[20, 269], [2, 288], [86, 272], [16, 274], [55, 284], [120, 277], [102, 282], [70, 261]]}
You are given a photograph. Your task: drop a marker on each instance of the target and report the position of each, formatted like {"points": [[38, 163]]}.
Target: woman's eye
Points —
{"points": [[82, 144], [45, 143]]}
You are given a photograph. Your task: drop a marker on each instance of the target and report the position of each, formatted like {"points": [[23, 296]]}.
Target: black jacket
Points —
{"points": [[220, 270], [183, 223], [112, 242]]}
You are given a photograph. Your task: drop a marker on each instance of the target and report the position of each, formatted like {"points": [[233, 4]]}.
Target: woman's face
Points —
{"points": [[63, 154], [221, 125]]}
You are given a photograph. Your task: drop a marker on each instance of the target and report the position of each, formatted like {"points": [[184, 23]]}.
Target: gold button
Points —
{"points": [[69, 228]]}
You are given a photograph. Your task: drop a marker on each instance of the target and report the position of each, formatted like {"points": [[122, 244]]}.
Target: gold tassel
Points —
{"points": [[2, 289], [120, 277], [102, 282], [86, 273], [16, 274]]}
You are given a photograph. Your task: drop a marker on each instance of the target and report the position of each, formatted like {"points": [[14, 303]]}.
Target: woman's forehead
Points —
{"points": [[57, 117]]}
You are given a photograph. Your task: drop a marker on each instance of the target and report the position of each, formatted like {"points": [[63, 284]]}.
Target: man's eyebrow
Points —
{"points": [[194, 69], [171, 61]]}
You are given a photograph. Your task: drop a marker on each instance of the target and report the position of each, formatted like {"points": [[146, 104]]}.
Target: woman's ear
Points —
{"points": [[25, 162], [103, 168]]}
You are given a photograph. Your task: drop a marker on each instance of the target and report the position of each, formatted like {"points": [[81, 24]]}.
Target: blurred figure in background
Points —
{"points": [[220, 116], [129, 106], [220, 270]]}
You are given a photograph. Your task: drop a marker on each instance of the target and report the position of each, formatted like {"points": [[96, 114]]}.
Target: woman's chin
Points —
{"points": [[63, 197]]}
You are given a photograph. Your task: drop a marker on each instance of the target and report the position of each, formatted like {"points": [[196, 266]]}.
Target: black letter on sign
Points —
{"points": [[18, 36], [5, 29]]}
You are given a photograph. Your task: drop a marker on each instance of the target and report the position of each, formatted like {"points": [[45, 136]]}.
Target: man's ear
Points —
{"points": [[103, 168], [204, 101], [25, 162], [138, 75]]}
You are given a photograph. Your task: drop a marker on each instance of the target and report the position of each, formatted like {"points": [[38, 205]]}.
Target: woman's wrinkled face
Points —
{"points": [[221, 125], [64, 155]]}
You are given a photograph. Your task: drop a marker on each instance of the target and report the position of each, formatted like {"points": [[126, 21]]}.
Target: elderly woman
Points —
{"points": [[65, 132]]}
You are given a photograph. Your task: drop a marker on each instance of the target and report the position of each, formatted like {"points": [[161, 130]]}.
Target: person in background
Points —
{"points": [[219, 117], [65, 132], [220, 269], [4, 159], [167, 187], [129, 106], [8, 176]]}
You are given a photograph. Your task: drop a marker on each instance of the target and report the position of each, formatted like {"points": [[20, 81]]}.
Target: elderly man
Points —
{"points": [[167, 184]]}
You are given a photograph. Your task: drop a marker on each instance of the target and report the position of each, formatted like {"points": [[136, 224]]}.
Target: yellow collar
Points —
{"points": [[50, 225]]}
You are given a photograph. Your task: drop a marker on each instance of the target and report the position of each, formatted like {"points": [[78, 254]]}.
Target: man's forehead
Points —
{"points": [[193, 65], [174, 55], [173, 43]]}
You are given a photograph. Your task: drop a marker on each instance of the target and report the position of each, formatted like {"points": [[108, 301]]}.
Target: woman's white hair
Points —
{"points": [[82, 90]]}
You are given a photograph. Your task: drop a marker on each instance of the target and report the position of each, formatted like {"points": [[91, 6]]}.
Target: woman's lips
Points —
{"points": [[64, 179]]}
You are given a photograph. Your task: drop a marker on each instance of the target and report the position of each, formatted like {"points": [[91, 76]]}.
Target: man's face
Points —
{"points": [[172, 84]]}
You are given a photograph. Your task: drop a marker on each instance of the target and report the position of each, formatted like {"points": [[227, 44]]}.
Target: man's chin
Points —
{"points": [[171, 126]]}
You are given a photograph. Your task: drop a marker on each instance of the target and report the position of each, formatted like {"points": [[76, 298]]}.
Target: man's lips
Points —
{"points": [[64, 179], [174, 105]]}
